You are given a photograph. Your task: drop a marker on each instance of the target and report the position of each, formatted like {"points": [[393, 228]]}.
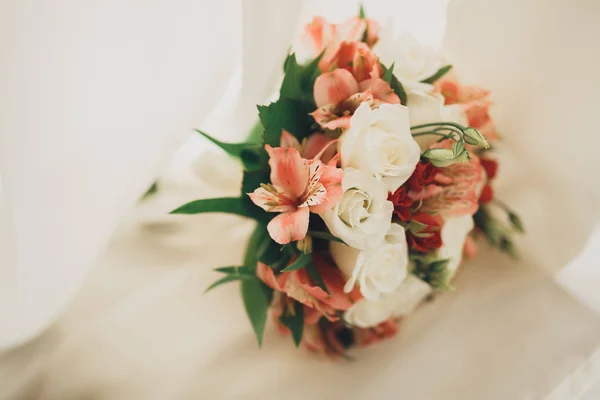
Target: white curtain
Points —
{"points": [[96, 97]]}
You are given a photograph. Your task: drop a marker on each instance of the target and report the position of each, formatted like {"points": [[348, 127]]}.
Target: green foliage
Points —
{"points": [[229, 205], [361, 12], [151, 190], [433, 271], [233, 149], [299, 80], [497, 233], [325, 236], [256, 305], [289, 114], [389, 74], [293, 319], [255, 294], [301, 262], [441, 72], [313, 273], [239, 273], [394, 83], [291, 87], [516, 222]]}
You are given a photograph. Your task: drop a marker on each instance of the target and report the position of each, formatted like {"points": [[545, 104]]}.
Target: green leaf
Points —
{"points": [[507, 246], [291, 115], [230, 205], [291, 87], [270, 253], [233, 149], [255, 294], [302, 261], [325, 236], [230, 278], [441, 72], [395, 85], [294, 321], [232, 270], [252, 155], [258, 236], [434, 272], [256, 305], [362, 15], [361, 12], [310, 74], [255, 134], [516, 222], [311, 269], [415, 226], [389, 74], [151, 190]]}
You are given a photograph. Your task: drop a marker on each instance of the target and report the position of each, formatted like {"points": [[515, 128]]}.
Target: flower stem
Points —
{"points": [[432, 133], [458, 126]]}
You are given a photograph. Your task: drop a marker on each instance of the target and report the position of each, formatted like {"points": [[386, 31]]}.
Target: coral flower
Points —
{"points": [[456, 188], [299, 286], [338, 94], [298, 187], [474, 100]]}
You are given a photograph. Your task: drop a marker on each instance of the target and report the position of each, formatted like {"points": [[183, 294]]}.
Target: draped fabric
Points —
{"points": [[95, 108]]}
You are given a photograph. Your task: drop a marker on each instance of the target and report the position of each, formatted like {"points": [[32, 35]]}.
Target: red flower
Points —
{"points": [[402, 203], [424, 174], [490, 166], [487, 194], [428, 238]]}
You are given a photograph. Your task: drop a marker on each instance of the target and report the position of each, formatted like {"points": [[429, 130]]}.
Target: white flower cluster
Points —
{"points": [[379, 154]]}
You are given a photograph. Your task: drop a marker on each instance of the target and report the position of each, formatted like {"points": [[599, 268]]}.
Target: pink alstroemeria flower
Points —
{"points": [[298, 186], [318, 145], [337, 39], [338, 95], [474, 101]]}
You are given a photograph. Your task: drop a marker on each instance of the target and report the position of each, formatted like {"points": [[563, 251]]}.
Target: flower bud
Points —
{"points": [[474, 137], [365, 64], [440, 157], [305, 245]]}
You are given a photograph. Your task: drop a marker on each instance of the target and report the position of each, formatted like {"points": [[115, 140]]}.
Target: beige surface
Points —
{"points": [[142, 329]]}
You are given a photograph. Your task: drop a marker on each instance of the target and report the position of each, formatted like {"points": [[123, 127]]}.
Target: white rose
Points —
{"points": [[379, 142], [367, 313], [412, 61], [454, 233], [363, 215], [376, 270]]}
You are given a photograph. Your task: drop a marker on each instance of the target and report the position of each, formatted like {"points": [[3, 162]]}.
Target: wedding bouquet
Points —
{"points": [[368, 178]]}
